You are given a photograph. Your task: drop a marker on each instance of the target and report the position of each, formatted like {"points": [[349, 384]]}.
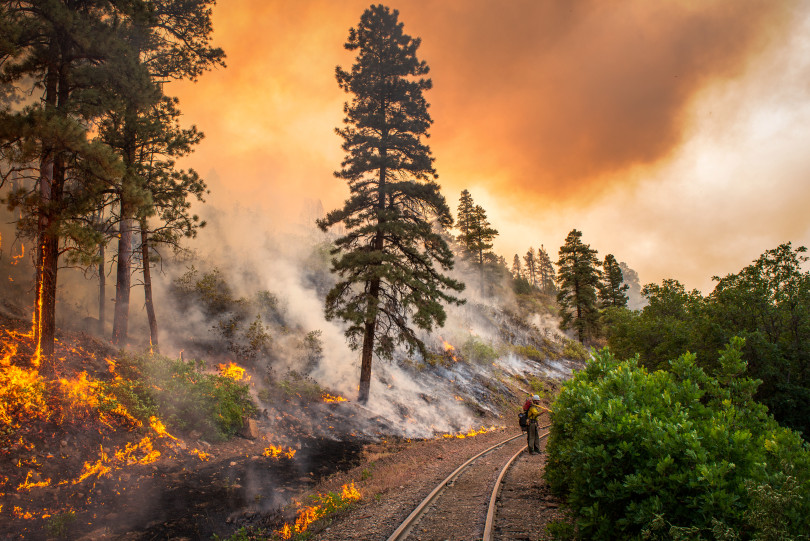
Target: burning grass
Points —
{"points": [[470, 433], [92, 418], [322, 506]]}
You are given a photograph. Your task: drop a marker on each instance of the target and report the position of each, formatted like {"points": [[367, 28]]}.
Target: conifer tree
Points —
{"points": [[612, 287], [578, 279], [168, 39], [634, 299], [389, 262], [531, 266], [545, 270], [466, 215], [517, 268], [476, 233], [59, 49]]}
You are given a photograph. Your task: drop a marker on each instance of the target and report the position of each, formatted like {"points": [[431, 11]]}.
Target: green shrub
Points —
{"points": [[529, 352], [183, 395], [477, 351], [560, 530], [295, 384], [59, 525], [675, 455], [574, 350], [537, 386]]}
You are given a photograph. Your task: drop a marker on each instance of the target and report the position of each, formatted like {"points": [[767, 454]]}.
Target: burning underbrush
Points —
{"points": [[74, 435], [110, 443]]}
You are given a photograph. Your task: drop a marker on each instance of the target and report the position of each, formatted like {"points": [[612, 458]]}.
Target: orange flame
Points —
{"points": [[202, 455], [158, 426], [308, 515], [471, 433], [449, 349], [16, 258], [328, 398], [233, 371], [350, 493], [27, 484], [276, 451]]}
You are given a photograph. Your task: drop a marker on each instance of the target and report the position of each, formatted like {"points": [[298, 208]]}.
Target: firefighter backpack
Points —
{"points": [[523, 421]]}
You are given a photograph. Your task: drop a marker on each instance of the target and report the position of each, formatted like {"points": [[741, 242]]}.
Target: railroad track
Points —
{"points": [[464, 493]]}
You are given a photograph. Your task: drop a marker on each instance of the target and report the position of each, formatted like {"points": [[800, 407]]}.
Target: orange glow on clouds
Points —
{"points": [[554, 115]]}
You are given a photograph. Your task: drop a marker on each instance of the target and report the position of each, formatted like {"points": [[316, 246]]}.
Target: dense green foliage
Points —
{"points": [[767, 303], [390, 260], [182, 394], [578, 279], [676, 454]]}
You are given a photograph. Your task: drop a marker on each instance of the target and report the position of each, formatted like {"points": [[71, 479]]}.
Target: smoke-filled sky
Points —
{"points": [[675, 135]]}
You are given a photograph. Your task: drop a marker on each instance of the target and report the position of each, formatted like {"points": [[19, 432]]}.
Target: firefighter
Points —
{"points": [[532, 434]]}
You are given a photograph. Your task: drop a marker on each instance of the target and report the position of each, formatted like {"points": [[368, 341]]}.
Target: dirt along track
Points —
{"points": [[525, 504], [400, 480], [463, 505], [458, 513]]}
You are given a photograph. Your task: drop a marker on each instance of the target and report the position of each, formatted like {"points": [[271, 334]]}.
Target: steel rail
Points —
{"points": [[493, 500], [404, 529]]}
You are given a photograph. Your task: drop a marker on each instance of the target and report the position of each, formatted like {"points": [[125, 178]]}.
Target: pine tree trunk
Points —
{"points": [[122, 280], [147, 290], [44, 320], [45, 308], [580, 323], [102, 288], [374, 294], [123, 274], [368, 350], [481, 269]]}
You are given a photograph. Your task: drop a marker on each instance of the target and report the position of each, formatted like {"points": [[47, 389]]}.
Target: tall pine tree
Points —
{"points": [[545, 270], [531, 266], [167, 40], [465, 216], [612, 287], [578, 280], [59, 49], [476, 234], [517, 268], [389, 262]]}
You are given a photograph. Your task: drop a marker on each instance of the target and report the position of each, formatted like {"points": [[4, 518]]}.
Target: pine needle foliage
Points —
{"points": [[612, 287], [391, 258], [578, 280]]}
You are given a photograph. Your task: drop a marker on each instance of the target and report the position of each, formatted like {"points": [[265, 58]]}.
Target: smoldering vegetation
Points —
{"points": [[251, 293]]}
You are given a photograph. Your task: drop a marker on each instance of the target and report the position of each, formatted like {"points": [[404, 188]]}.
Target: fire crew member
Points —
{"points": [[532, 435]]}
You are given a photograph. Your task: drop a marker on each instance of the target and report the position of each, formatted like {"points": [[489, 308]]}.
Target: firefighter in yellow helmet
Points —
{"points": [[532, 434]]}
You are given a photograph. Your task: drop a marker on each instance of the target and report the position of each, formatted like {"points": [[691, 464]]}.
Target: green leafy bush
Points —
{"points": [[574, 350], [183, 395], [529, 352], [477, 351], [295, 384], [675, 454]]}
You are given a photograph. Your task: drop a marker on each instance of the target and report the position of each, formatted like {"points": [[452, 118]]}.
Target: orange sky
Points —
{"points": [[673, 134]]}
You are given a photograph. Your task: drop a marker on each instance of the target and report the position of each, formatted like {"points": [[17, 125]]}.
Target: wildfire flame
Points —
{"points": [[16, 258], [470, 434], [309, 514], [328, 398], [449, 350], [276, 451], [233, 371]]}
